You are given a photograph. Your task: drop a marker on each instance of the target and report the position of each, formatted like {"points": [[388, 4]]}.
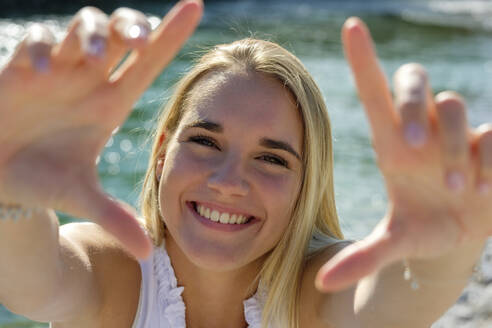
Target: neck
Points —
{"points": [[212, 298]]}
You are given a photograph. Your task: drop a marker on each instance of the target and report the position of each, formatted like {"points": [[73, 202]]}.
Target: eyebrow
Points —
{"points": [[265, 142], [207, 125]]}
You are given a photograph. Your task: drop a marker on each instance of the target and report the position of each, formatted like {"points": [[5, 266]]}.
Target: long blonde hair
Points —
{"points": [[314, 221]]}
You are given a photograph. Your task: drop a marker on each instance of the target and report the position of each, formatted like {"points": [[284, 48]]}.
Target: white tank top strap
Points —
{"points": [[168, 293], [147, 300], [253, 308]]}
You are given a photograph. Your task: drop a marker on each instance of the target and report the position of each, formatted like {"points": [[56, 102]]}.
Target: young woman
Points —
{"points": [[238, 198]]}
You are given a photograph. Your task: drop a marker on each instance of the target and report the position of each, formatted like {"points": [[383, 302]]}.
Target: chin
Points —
{"points": [[215, 257]]}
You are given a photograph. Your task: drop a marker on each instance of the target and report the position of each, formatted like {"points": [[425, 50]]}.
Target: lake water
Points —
{"points": [[452, 39]]}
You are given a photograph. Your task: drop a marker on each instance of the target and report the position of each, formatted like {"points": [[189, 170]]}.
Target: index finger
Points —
{"points": [[144, 65], [370, 81]]}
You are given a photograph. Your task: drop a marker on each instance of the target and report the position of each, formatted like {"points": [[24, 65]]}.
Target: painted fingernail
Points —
{"points": [[40, 53], [455, 181], [415, 134], [137, 31], [96, 46], [41, 63], [484, 188]]}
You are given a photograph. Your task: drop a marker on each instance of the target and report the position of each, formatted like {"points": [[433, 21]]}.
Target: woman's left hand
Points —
{"points": [[437, 169]]}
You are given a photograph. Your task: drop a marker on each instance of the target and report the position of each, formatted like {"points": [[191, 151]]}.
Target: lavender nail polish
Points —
{"points": [[41, 64], [96, 46], [415, 134]]}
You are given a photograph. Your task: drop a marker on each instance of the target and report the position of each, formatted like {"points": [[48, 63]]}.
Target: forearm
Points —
{"points": [[30, 261], [386, 297]]}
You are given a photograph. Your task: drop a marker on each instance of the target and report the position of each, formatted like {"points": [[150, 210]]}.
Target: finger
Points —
{"points": [[117, 218], [144, 65], [453, 137], [35, 51], [356, 261], [87, 38], [412, 100], [485, 156], [130, 29], [120, 220], [370, 81]]}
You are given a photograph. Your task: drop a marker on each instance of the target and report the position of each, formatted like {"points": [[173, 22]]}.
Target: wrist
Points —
{"points": [[9, 211], [452, 267]]}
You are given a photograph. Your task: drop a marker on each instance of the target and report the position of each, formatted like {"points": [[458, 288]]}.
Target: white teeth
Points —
{"points": [[215, 216], [224, 218]]}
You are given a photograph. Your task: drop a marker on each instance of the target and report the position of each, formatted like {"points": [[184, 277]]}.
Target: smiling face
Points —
{"points": [[236, 154]]}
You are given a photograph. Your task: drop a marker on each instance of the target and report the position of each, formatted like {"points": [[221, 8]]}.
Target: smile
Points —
{"points": [[220, 217]]}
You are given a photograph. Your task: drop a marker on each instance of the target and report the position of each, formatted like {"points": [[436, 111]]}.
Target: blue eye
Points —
{"points": [[204, 141], [274, 160]]}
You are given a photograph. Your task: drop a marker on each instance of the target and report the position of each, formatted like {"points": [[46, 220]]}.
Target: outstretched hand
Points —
{"points": [[437, 169], [61, 102]]}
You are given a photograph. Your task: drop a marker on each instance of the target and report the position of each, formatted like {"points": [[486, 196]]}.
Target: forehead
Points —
{"points": [[247, 100]]}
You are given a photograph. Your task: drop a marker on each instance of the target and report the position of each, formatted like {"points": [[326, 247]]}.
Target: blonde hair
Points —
{"points": [[314, 221]]}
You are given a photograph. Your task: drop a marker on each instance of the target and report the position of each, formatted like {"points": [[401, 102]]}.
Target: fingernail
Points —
{"points": [[40, 53], [41, 64], [455, 181], [96, 46], [484, 188], [415, 134], [137, 31]]}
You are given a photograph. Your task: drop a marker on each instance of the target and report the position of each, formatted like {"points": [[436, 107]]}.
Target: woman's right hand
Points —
{"points": [[61, 103]]}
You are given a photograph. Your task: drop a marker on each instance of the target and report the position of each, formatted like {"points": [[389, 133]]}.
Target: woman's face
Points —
{"points": [[236, 154]]}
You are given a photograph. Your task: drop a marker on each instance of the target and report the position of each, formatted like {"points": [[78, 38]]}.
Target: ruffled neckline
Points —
{"points": [[171, 301]]}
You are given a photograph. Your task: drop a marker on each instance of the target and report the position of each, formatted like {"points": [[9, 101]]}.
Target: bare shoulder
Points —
{"points": [[96, 242], [313, 303], [105, 253], [108, 269]]}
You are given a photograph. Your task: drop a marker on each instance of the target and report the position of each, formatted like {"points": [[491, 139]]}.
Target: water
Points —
{"points": [[452, 39]]}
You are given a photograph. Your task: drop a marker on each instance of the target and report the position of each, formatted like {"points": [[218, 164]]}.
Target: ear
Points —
{"points": [[161, 139], [158, 168]]}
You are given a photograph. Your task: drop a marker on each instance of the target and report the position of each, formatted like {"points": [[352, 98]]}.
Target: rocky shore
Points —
{"points": [[474, 307]]}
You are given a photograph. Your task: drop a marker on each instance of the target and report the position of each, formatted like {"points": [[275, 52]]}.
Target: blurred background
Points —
{"points": [[452, 39]]}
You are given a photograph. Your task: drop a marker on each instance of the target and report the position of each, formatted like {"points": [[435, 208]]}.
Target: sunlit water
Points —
{"points": [[452, 39]]}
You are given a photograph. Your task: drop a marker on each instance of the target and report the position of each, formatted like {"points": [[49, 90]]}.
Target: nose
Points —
{"points": [[228, 178]]}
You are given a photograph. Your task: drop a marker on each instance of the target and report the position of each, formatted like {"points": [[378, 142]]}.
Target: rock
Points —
{"points": [[473, 309]]}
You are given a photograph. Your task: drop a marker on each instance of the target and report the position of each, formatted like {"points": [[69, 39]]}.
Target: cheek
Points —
{"points": [[177, 172], [181, 165], [279, 194], [182, 170]]}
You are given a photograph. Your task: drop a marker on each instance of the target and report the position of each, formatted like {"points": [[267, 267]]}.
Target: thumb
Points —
{"points": [[114, 216], [357, 261]]}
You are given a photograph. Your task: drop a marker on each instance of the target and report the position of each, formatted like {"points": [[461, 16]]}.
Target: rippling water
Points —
{"points": [[452, 39]]}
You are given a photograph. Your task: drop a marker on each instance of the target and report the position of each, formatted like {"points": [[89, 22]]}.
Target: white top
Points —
{"points": [[161, 305]]}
